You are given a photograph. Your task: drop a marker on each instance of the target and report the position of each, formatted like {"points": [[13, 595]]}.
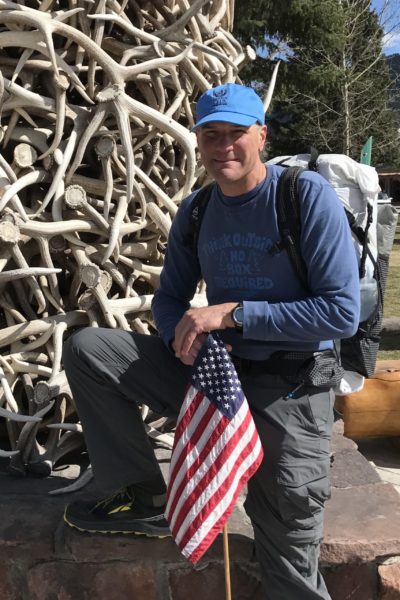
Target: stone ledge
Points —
{"points": [[43, 560], [369, 531]]}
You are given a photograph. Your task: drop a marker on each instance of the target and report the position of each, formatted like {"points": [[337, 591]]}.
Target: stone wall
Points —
{"points": [[41, 559]]}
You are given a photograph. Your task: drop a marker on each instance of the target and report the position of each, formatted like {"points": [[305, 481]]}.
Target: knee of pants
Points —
{"points": [[301, 508], [67, 351], [72, 346], [294, 512]]}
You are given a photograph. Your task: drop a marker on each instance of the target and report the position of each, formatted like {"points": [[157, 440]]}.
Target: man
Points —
{"points": [[273, 327]]}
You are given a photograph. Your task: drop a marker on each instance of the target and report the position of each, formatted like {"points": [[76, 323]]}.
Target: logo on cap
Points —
{"points": [[219, 97]]}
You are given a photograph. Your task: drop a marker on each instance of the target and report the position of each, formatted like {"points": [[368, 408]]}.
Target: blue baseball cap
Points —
{"points": [[230, 103]]}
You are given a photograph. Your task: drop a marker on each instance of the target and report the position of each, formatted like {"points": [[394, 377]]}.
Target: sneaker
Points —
{"points": [[119, 513]]}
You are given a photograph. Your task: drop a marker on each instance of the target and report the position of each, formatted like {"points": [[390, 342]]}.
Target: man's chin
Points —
{"points": [[228, 172]]}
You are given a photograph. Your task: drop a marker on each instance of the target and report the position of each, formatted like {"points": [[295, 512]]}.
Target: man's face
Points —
{"points": [[231, 155]]}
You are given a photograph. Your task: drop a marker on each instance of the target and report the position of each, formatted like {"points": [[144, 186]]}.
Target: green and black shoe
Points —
{"points": [[119, 513]]}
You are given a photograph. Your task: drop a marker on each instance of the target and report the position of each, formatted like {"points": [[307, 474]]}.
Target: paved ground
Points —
{"points": [[384, 455]]}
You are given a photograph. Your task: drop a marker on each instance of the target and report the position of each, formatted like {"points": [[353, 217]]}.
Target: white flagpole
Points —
{"points": [[227, 565]]}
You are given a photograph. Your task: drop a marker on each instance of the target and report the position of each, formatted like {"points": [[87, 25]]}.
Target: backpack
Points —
{"points": [[357, 186]]}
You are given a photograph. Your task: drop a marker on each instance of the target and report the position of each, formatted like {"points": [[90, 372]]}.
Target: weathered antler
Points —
{"points": [[96, 108]]}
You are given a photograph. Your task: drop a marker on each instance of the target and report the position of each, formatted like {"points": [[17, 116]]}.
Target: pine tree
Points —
{"points": [[333, 86]]}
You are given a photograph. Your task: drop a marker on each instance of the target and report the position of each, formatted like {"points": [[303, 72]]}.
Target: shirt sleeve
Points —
{"points": [[179, 277], [331, 306]]}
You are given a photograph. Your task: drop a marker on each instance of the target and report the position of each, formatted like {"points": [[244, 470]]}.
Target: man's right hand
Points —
{"points": [[190, 357]]}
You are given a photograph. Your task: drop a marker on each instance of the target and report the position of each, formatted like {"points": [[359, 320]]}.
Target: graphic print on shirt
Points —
{"points": [[238, 261]]}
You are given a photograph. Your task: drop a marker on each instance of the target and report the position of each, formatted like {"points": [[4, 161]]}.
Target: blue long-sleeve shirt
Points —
{"points": [[234, 260]]}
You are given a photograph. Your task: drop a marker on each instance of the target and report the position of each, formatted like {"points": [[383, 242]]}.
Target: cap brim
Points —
{"points": [[226, 117]]}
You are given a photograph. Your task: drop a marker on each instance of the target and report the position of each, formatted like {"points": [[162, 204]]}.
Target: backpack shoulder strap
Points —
{"points": [[362, 238], [197, 211], [289, 222]]}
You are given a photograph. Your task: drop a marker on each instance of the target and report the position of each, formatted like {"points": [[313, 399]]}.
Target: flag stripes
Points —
{"points": [[216, 450], [203, 537], [207, 463]]}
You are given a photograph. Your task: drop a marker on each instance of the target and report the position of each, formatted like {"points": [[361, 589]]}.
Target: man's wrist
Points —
{"points": [[237, 317]]}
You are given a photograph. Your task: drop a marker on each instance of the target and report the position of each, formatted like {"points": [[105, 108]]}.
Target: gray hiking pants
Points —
{"points": [[110, 371]]}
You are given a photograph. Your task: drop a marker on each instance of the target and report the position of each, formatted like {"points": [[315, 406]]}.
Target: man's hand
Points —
{"points": [[194, 326], [190, 357]]}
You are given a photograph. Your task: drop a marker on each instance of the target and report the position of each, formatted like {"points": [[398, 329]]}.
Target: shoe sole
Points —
{"points": [[113, 531]]}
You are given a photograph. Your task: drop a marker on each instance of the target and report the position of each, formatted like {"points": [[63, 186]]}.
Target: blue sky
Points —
{"points": [[392, 44], [391, 23]]}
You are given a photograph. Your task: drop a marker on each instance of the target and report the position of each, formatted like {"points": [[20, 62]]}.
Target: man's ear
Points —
{"points": [[263, 136]]}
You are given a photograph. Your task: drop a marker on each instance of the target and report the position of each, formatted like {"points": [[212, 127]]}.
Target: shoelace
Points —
{"points": [[121, 494]]}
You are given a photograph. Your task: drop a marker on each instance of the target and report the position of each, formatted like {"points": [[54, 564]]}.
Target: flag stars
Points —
{"points": [[216, 378]]}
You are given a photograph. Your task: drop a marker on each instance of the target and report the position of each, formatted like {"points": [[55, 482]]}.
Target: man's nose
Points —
{"points": [[224, 140]]}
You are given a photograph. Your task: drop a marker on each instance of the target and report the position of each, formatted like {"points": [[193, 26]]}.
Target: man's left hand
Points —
{"points": [[196, 321]]}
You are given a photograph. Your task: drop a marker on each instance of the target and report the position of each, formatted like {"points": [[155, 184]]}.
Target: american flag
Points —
{"points": [[216, 451]]}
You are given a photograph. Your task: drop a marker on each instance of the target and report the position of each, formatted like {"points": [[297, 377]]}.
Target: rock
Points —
{"points": [[352, 469], [111, 581], [361, 523], [210, 583], [389, 576], [351, 582], [8, 586]]}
